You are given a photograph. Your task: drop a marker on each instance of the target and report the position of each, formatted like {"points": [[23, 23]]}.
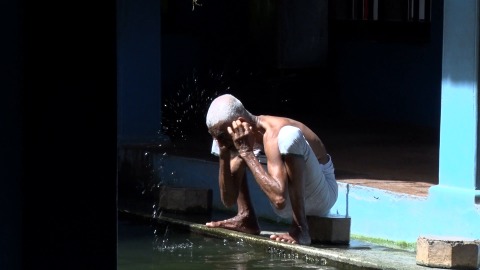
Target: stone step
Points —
{"points": [[331, 229], [185, 200]]}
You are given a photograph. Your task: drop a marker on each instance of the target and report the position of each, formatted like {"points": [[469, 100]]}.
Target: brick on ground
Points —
{"points": [[448, 252]]}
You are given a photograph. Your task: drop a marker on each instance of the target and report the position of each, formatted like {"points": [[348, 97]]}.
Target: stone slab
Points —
{"points": [[448, 252], [185, 200], [332, 229]]}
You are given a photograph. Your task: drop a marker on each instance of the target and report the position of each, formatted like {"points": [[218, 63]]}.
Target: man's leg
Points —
{"points": [[245, 220], [298, 232]]}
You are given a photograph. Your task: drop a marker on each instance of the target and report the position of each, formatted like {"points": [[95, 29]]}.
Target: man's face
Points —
{"points": [[220, 133]]}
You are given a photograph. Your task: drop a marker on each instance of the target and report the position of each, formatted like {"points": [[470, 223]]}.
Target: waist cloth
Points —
{"points": [[321, 188]]}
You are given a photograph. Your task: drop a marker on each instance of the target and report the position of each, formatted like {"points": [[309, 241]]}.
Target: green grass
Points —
{"points": [[410, 246]]}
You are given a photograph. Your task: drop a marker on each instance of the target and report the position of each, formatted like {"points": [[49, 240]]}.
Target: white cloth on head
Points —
{"points": [[215, 149], [321, 188]]}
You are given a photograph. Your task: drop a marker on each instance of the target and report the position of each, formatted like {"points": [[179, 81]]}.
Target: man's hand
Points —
{"points": [[224, 149], [242, 136]]}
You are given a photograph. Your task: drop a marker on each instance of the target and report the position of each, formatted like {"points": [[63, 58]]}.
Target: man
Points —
{"points": [[299, 179]]}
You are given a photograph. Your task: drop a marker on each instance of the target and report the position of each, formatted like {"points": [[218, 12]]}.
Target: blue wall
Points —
{"points": [[374, 212], [138, 71]]}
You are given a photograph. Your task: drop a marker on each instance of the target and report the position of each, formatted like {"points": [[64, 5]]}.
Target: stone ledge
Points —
{"points": [[448, 252]]}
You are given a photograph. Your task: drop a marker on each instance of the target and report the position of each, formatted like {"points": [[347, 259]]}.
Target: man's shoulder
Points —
{"points": [[289, 132], [290, 140]]}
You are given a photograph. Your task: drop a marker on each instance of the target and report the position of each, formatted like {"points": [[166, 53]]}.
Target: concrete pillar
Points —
{"points": [[453, 208], [459, 105], [138, 71]]}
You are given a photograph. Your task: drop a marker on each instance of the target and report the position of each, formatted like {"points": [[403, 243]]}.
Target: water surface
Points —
{"points": [[142, 245]]}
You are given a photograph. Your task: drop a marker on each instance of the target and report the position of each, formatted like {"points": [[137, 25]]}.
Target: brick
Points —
{"points": [[448, 252], [185, 200], [332, 229], [198, 200]]}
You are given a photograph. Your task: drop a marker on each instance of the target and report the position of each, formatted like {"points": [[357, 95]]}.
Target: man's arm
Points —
{"points": [[272, 182], [230, 175]]}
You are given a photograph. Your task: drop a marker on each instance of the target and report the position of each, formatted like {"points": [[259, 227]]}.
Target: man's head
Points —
{"points": [[223, 111]]}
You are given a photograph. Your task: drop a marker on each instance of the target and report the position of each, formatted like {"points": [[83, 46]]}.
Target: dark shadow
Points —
{"points": [[373, 121]]}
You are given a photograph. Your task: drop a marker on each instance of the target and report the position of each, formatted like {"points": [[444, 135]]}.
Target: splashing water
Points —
{"points": [[183, 112], [183, 120]]}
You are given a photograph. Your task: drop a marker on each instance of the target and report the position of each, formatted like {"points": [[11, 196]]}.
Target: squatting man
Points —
{"points": [[299, 179]]}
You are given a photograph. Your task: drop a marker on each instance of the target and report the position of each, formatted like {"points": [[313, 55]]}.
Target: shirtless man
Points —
{"points": [[299, 179]]}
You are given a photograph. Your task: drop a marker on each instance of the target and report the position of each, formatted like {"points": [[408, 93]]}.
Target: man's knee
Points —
{"points": [[279, 202]]}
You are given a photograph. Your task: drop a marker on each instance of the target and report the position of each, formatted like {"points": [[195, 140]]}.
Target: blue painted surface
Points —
{"points": [[382, 214], [374, 212], [196, 173], [452, 211], [458, 134]]}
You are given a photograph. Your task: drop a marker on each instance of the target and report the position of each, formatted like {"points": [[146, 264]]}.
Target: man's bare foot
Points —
{"points": [[240, 223], [295, 236]]}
